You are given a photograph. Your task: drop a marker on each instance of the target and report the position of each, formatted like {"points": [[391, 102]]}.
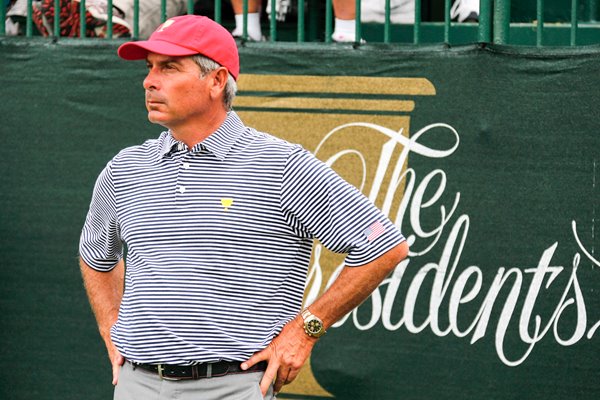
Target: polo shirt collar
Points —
{"points": [[219, 142], [222, 140], [168, 144]]}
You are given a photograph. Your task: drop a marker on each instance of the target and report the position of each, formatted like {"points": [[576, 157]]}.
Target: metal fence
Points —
{"points": [[494, 24]]}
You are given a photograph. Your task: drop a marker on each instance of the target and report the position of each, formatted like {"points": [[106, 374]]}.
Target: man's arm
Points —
{"points": [[105, 291], [289, 350]]}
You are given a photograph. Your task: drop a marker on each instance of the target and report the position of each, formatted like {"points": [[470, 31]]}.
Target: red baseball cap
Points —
{"points": [[188, 35]]}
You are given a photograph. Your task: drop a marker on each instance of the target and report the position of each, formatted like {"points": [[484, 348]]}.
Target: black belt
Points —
{"points": [[199, 371]]}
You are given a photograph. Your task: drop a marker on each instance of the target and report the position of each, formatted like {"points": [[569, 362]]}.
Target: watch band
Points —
{"points": [[306, 313]]}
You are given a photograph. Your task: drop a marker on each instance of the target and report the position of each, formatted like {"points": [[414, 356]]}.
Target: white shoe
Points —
{"points": [[345, 38], [238, 34]]}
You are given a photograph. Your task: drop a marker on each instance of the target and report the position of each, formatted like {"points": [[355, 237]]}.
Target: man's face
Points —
{"points": [[176, 94]]}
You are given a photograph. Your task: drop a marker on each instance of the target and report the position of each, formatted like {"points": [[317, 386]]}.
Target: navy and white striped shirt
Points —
{"points": [[219, 240]]}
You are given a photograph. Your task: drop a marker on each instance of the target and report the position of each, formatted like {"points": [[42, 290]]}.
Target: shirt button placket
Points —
{"points": [[181, 189]]}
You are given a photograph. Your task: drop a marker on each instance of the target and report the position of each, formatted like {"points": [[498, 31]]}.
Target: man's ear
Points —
{"points": [[220, 77]]}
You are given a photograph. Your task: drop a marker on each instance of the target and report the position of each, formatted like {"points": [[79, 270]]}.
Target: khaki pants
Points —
{"points": [[139, 384]]}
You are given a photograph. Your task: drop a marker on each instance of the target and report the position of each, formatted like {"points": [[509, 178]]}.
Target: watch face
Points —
{"points": [[314, 326]]}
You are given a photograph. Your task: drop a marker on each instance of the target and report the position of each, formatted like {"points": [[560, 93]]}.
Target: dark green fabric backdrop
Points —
{"points": [[526, 173]]}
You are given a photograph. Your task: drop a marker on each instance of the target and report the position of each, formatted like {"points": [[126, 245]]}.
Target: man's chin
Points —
{"points": [[156, 119]]}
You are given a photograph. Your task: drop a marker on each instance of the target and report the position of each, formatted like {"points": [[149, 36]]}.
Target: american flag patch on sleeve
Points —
{"points": [[374, 231]]}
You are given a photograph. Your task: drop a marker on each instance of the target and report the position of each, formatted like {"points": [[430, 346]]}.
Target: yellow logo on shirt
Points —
{"points": [[226, 203]]}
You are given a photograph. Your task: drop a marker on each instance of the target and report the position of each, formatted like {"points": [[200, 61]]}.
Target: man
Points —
{"points": [[218, 220]]}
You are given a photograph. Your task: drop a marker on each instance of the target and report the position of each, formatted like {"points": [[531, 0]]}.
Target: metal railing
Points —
{"points": [[494, 24]]}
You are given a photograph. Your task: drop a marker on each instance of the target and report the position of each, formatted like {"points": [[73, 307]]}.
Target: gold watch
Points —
{"points": [[313, 326]]}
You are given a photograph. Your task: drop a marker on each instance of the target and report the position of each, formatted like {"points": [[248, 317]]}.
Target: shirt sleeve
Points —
{"points": [[319, 202], [100, 245]]}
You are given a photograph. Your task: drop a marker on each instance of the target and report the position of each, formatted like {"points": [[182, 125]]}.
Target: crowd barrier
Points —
{"points": [[500, 21]]}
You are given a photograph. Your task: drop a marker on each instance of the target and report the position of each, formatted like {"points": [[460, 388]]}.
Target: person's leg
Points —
{"points": [[254, 30], [344, 9], [137, 384], [230, 387], [345, 21]]}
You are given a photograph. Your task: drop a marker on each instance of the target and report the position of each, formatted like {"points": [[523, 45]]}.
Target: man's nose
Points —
{"points": [[151, 80]]}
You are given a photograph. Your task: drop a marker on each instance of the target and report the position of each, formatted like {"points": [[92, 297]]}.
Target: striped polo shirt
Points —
{"points": [[219, 239]]}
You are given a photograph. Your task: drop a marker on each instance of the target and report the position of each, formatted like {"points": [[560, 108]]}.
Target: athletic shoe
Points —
{"points": [[345, 38]]}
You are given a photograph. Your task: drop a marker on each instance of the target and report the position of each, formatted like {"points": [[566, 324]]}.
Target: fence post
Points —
{"points": [[328, 21], [485, 21], [82, 20], [56, 27], [109, 25], [163, 11], [245, 20], [218, 8], [574, 22], [358, 28], [300, 33], [136, 19], [540, 23], [501, 21], [592, 7], [273, 22], [447, 21], [2, 19], [29, 22], [417, 24], [387, 25]]}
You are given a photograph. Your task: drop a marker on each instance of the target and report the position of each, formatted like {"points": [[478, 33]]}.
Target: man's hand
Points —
{"points": [[285, 355], [289, 350], [116, 360]]}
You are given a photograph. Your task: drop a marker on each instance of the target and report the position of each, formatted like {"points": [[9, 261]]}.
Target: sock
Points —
{"points": [[345, 30], [254, 30]]}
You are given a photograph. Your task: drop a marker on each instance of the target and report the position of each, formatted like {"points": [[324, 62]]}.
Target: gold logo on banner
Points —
{"points": [[331, 116]]}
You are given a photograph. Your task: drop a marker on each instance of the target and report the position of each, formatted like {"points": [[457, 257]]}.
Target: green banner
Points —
{"points": [[486, 157]]}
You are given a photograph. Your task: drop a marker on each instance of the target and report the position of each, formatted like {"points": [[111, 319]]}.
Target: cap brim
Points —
{"points": [[139, 50]]}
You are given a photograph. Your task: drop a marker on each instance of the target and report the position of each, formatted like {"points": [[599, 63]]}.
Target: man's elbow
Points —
{"points": [[397, 254], [402, 250]]}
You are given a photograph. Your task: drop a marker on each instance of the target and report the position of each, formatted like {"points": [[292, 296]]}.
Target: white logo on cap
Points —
{"points": [[165, 25]]}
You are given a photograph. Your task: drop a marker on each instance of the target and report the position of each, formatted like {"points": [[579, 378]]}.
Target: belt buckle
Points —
{"points": [[161, 369]]}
